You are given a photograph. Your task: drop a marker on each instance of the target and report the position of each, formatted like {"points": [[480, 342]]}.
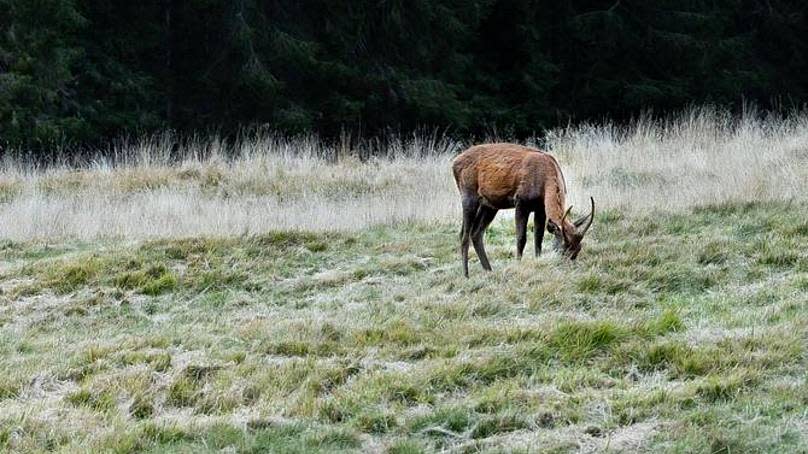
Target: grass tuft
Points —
{"points": [[68, 277], [183, 392], [577, 341], [102, 401], [667, 322], [154, 280], [714, 253]]}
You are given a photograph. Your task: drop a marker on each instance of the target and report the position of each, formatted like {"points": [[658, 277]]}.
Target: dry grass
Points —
{"points": [[141, 191]]}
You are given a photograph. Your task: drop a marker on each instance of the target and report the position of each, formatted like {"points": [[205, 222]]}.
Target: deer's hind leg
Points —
{"points": [[470, 208], [483, 219]]}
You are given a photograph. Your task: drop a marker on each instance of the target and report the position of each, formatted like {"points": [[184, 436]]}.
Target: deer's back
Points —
{"points": [[499, 172]]}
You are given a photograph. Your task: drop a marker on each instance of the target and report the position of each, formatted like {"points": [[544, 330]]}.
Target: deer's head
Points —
{"points": [[570, 234]]}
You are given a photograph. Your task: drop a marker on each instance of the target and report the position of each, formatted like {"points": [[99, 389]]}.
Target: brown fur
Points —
{"points": [[499, 176]]}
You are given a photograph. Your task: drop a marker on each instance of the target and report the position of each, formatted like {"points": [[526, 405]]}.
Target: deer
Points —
{"points": [[501, 176]]}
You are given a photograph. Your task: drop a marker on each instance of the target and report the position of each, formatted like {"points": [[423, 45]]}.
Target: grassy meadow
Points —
{"points": [[295, 298]]}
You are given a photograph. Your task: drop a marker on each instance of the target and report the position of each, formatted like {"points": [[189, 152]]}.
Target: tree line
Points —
{"points": [[81, 72]]}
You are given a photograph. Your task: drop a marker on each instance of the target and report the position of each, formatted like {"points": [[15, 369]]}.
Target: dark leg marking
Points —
{"points": [[539, 221], [484, 218], [521, 218], [470, 206]]}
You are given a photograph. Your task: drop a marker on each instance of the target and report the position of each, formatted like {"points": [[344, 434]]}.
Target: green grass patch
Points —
{"points": [[153, 280], [159, 361], [183, 392], [85, 397], [667, 322], [70, 276], [577, 341], [680, 331]]}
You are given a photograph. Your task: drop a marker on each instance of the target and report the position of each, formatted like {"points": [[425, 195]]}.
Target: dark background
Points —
{"points": [[80, 72]]}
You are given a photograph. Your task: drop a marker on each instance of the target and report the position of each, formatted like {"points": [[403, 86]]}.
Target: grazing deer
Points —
{"points": [[499, 176]]}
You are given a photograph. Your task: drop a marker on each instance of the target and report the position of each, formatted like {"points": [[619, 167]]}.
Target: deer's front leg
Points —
{"points": [[521, 218], [539, 221]]}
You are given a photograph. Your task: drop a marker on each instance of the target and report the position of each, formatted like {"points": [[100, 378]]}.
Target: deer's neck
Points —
{"points": [[555, 198]]}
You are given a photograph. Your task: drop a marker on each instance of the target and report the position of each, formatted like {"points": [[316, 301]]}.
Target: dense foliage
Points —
{"points": [[82, 71]]}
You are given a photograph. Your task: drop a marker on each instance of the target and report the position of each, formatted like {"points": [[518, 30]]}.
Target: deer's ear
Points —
{"points": [[553, 228]]}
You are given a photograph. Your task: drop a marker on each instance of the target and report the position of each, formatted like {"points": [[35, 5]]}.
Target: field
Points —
{"points": [[295, 298]]}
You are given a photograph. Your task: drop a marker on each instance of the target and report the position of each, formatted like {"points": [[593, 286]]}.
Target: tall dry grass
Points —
{"points": [[702, 157], [143, 189]]}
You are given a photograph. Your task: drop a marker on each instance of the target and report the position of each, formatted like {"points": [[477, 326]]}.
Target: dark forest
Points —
{"points": [[84, 71]]}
